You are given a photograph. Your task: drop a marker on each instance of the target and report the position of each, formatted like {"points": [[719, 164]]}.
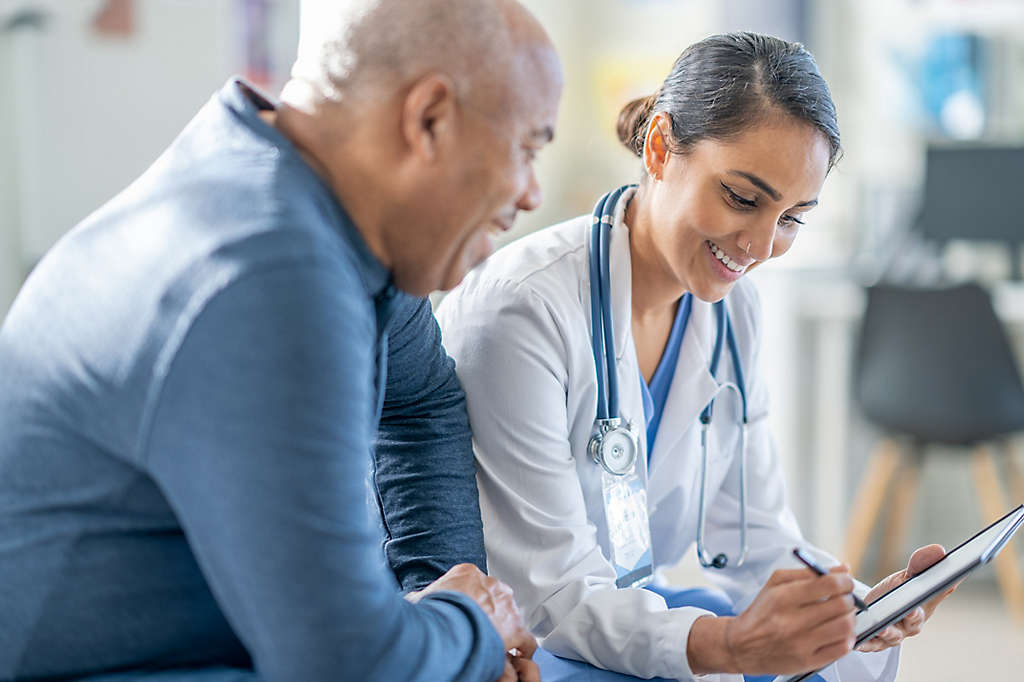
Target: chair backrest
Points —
{"points": [[935, 364]]}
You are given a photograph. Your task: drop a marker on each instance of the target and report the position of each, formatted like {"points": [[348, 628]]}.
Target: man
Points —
{"points": [[191, 381]]}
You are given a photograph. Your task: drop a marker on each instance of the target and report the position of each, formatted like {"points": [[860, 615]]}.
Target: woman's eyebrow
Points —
{"points": [[758, 182], [769, 190]]}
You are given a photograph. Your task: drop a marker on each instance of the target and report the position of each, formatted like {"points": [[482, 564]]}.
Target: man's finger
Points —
{"points": [[509, 674], [526, 669], [524, 643]]}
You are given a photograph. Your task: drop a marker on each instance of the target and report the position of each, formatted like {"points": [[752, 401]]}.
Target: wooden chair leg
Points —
{"points": [[993, 505], [868, 501], [1014, 473], [901, 508]]}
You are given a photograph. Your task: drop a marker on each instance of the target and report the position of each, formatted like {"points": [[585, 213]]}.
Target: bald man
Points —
{"points": [[193, 380]]}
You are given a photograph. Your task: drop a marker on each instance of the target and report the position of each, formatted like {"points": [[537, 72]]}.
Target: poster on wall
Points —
{"points": [[256, 42], [115, 18]]}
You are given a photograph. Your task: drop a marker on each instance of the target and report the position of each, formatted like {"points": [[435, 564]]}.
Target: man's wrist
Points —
{"points": [[707, 647]]}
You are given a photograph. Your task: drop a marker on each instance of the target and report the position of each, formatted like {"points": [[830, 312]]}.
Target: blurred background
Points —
{"points": [[930, 95]]}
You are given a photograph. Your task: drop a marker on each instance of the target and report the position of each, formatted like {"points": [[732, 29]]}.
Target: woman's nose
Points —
{"points": [[758, 244]]}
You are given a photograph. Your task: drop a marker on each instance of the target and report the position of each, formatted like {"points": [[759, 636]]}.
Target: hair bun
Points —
{"points": [[633, 122]]}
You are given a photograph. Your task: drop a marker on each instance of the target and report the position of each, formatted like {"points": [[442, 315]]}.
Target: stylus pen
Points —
{"points": [[809, 563]]}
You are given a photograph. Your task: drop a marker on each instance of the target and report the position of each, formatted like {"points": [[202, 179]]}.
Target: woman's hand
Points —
{"points": [[914, 621], [798, 622]]}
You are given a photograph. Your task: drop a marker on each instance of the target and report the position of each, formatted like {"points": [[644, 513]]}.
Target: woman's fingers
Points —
{"points": [[887, 638], [820, 588]]}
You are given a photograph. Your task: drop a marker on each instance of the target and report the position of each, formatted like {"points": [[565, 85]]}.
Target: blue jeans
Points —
{"points": [[556, 669], [552, 668], [217, 674]]}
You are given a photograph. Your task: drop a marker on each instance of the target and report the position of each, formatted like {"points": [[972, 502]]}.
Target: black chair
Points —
{"points": [[934, 367]]}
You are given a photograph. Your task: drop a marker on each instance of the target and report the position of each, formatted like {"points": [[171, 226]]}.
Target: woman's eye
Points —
{"points": [[790, 221], [737, 200]]}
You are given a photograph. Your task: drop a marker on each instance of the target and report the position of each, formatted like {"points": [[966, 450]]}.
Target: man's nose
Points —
{"points": [[532, 196]]}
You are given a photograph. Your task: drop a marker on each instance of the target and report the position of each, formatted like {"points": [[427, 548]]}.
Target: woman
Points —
{"points": [[735, 148]]}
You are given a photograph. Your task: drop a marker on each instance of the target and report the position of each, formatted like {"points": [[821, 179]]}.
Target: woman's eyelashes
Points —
{"points": [[741, 203]]}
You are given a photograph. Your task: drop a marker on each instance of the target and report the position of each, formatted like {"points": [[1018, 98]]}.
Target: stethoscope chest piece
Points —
{"points": [[614, 446]]}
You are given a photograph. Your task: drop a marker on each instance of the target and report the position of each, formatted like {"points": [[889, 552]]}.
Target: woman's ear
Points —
{"points": [[656, 151], [428, 115]]}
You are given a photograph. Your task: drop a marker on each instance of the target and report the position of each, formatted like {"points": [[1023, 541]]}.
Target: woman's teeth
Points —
{"points": [[728, 262]]}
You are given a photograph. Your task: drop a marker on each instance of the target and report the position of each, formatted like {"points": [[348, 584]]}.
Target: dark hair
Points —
{"points": [[726, 83]]}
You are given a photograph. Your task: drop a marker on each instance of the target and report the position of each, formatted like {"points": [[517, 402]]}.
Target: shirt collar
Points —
{"points": [[245, 101]]}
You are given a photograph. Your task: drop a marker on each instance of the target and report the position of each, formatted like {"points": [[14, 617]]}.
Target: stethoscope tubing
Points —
{"points": [[603, 346], [602, 337]]}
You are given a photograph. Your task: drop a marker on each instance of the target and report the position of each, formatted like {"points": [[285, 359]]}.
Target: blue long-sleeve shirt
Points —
{"points": [[191, 384], [425, 474]]}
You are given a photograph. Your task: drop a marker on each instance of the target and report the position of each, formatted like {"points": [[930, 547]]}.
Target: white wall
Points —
{"points": [[90, 113], [10, 242]]}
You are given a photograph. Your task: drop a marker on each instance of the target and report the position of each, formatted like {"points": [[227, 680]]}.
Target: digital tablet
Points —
{"points": [[902, 599]]}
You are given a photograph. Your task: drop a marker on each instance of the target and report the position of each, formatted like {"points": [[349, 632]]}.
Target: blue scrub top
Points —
{"points": [[655, 394]]}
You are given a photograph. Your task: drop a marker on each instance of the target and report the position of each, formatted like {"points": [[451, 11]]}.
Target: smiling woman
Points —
{"points": [[641, 314]]}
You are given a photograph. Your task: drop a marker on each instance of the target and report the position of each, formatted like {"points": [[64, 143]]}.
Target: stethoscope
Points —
{"points": [[614, 444]]}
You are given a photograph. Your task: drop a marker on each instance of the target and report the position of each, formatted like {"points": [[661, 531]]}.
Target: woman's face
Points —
{"points": [[723, 208]]}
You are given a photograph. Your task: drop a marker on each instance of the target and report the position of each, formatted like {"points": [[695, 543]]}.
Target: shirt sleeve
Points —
{"points": [[260, 438], [425, 476]]}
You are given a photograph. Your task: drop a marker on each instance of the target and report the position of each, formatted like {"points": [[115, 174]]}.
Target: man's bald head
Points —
{"points": [[353, 49], [424, 117]]}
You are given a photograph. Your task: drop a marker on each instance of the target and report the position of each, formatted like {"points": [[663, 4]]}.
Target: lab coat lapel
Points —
{"points": [[621, 271], [692, 388]]}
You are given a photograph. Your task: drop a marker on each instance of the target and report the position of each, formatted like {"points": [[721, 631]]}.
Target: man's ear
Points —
{"points": [[656, 151], [428, 115]]}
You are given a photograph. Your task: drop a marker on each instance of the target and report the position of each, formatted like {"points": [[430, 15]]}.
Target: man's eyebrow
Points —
{"points": [[754, 180]]}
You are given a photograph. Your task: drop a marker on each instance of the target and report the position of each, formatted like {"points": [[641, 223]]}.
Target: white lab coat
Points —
{"points": [[519, 330]]}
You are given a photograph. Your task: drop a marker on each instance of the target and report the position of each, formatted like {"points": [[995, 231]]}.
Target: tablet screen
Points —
{"points": [[900, 600], [894, 604]]}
